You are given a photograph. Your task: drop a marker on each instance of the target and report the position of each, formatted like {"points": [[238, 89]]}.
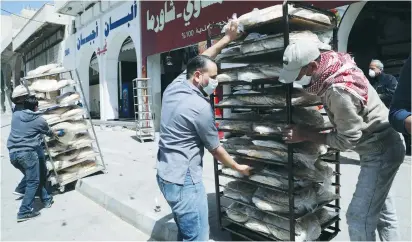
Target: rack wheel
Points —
{"points": [[62, 189]]}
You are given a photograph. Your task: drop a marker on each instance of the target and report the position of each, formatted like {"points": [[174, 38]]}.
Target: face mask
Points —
{"points": [[304, 81], [372, 73], [210, 88]]}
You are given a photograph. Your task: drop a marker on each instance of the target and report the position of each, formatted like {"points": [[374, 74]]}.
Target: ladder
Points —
{"points": [[143, 111]]}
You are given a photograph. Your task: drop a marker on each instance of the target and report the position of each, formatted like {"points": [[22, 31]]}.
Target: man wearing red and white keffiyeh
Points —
{"points": [[352, 80], [361, 124]]}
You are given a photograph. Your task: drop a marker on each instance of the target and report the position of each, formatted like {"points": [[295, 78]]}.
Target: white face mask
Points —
{"points": [[211, 87], [304, 81], [372, 73]]}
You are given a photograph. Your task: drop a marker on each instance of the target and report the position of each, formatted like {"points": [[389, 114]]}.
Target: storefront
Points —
{"points": [[41, 40], [174, 31], [105, 50]]}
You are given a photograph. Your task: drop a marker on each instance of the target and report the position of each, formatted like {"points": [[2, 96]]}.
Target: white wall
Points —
{"points": [[108, 62], [154, 73], [346, 24]]}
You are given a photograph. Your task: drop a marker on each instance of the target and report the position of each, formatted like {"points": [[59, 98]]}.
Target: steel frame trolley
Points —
{"points": [[143, 110], [79, 167], [283, 25]]}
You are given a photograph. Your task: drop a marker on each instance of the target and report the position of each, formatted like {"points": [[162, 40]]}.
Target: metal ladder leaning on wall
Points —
{"points": [[143, 110]]}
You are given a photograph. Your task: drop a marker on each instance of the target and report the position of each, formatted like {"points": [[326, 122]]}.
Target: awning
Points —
{"points": [[127, 46]]}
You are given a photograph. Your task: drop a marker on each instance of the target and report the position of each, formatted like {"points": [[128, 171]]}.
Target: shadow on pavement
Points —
{"points": [[215, 234], [348, 161]]}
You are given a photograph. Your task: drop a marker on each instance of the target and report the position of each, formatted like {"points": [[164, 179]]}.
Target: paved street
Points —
{"points": [[72, 217], [129, 190]]}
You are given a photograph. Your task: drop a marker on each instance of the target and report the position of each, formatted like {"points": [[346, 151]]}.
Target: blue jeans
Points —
{"points": [[21, 187], [31, 165], [372, 206], [189, 206]]}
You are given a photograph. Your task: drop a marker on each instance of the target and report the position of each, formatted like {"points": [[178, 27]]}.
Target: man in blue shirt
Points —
{"points": [[385, 84], [400, 111], [187, 127], [26, 155]]}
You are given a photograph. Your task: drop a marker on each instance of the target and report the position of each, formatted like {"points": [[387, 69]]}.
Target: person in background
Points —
{"points": [[26, 155], [400, 111], [361, 124], [385, 84], [187, 127]]}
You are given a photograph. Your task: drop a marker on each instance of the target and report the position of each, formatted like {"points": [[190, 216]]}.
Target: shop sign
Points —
{"points": [[167, 25], [89, 38], [109, 26]]}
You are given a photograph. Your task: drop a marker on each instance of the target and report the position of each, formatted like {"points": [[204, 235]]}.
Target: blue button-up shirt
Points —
{"points": [[187, 126]]}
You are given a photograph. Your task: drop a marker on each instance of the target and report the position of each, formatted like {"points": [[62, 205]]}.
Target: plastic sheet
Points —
{"points": [[267, 14], [240, 191], [237, 212], [276, 42], [68, 97], [306, 229], [21, 90], [273, 201]]}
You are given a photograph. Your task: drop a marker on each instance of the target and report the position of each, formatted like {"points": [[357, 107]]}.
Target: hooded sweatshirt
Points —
{"points": [[27, 130]]}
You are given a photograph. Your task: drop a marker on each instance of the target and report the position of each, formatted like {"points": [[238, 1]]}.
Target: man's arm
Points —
{"points": [[400, 110], [207, 131], [44, 128], [231, 34]]}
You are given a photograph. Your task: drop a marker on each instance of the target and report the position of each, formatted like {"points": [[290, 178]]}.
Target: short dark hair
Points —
{"points": [[30, 103], [198, 62]]}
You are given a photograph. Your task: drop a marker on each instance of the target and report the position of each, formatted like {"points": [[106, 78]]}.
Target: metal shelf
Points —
{"points": [[283, 25], [67, 164], [46, 74]]}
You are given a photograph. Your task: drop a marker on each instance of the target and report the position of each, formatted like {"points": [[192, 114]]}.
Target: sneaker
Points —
{"points": [[49, 203], [27, 216], [19, 194]]}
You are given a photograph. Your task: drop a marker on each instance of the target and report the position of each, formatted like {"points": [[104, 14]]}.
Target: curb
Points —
{"points": [[163, 231]]}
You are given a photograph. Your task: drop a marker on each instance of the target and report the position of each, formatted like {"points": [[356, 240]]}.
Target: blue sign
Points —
{"points": [[126, 19], [67, 52], [88, 39]]}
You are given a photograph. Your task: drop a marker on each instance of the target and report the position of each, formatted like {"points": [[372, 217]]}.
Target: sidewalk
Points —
{"points": [[130, 191]]}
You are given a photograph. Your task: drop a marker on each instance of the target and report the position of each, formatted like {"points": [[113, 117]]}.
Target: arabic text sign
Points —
{"points": [[168, 25], [110, 25], [89, 38]]}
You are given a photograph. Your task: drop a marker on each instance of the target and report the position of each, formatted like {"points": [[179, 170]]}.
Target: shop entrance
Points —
{"points": [[382, 31], [127, 71], [94, 87], [173, 63]]}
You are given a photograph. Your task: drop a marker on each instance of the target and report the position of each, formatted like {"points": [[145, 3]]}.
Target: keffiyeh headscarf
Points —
{"points": [[352, 79]]}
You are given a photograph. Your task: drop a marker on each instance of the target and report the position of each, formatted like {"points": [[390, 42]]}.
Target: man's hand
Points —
{"points": [[244, 169], [231, 34], [294, 134], [59, 133], [408, 124], [231, 30]]}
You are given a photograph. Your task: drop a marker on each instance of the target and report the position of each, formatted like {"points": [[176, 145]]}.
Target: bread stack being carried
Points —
{"points": [[73, 153], [255, 108]]}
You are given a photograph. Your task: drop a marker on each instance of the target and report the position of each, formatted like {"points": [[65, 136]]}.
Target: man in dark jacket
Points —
{"points": [[26, 155], [400, 111], [385, 84]]}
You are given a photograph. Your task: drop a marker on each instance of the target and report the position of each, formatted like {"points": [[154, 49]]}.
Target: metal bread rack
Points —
{"points": [[81, 167], [238, 230]]}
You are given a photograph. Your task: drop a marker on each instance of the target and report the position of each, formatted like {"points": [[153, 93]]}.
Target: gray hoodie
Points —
{"points": [[27, 130]]}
